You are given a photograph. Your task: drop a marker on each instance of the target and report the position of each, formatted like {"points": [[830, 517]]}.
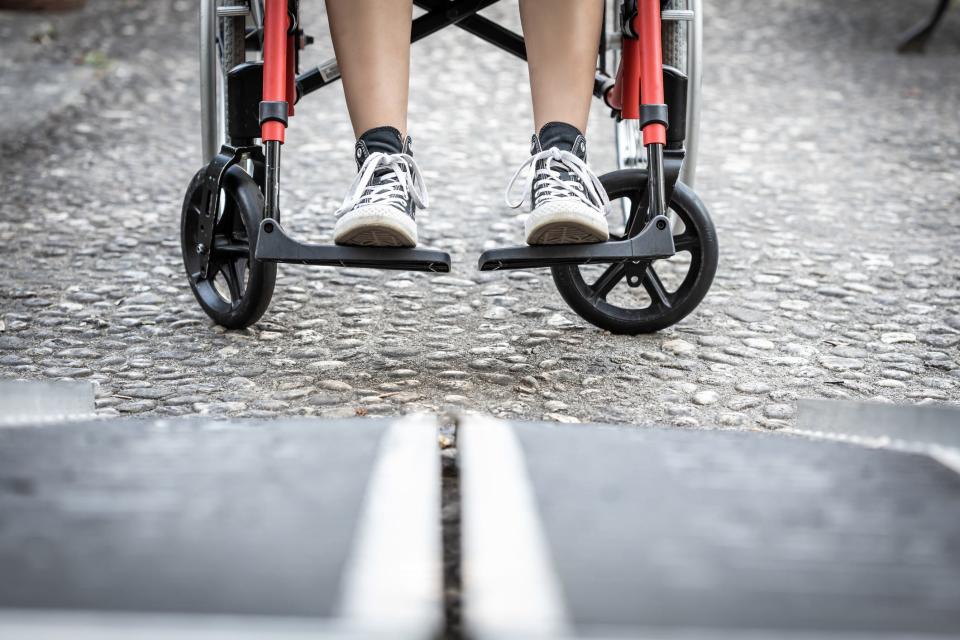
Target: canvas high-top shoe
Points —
{"points": [[567, 199], [380, 208]]}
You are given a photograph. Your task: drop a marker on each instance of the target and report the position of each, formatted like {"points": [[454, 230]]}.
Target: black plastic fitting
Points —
{"points": [[628, 11], [274, 110], [654, 114]]}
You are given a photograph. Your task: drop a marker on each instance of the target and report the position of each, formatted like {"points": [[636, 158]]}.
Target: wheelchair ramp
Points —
{"points": [[37, 401], [190, 528], [595, 531], [931, 425]]}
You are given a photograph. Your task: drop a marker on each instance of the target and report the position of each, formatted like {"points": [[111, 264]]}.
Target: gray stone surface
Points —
{"points": [[182, 516], [661, 530], [51, 63], [829, 162], [37, 92]]}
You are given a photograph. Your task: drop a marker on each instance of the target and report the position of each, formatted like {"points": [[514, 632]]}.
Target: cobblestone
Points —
{"points": [[836, 212]]}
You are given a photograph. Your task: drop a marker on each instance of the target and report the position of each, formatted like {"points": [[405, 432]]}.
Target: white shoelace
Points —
{"points": [[404, 180], [554, 187]]}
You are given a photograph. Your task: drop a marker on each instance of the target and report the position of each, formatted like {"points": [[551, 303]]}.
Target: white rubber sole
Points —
{"points": [[567, 221], [376, 226]]}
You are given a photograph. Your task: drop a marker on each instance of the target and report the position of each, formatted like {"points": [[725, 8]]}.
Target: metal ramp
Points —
{"points": [[663, 533], [192, 528], [220, 529]]}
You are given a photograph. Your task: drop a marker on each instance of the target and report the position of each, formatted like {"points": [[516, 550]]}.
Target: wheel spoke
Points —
{"points": [[231, 248], [229, 271], [608, 280], [240, 268], [686, 242], [240, 274], [638, 215], [655, 289]]}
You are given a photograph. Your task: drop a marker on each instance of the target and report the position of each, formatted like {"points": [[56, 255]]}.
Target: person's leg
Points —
{"points": [[372, 43], [567, 200], [562, 38]]}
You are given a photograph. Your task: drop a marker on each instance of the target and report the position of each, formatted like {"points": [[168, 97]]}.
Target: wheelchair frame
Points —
{"points": [[231, 212], [462, 14]]}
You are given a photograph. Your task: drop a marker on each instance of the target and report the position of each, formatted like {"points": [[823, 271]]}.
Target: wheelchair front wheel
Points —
{"points": [[235, 289], [631, 299]]}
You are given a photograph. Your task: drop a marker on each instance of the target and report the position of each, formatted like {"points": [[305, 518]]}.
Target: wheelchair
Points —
{"points": [[648, 74]]}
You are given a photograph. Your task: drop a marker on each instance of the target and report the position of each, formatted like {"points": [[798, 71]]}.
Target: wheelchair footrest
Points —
{"points": [[274, 245], [654, 242]]}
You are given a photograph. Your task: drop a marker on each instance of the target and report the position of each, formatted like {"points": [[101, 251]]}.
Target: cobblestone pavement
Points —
{"points": [[830, 164]]}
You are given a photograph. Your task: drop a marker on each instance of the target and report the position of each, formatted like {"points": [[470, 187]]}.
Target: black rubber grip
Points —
{"points": [[275, 111], [653, 114]]}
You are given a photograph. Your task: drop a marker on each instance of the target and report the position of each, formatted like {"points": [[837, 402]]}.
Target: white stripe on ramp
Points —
{"points": [[510, 588], [393, 580]]}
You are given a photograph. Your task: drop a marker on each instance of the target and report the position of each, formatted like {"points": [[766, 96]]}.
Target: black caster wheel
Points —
{"points": [[235, 290], [639, 298]]}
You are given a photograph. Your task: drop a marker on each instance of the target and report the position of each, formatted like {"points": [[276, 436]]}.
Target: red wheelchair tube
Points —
{"points": [[628, 80], [275, 70], [647, 26]]}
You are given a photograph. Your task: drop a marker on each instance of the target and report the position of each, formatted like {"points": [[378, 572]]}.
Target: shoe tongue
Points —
{"points": [[563, 136], [382, 139]]}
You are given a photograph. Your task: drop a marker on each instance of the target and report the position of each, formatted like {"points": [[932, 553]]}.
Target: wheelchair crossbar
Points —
{"points": [[274, 245], [465, 18], [440, 14], [654, 242], [443, 13]]}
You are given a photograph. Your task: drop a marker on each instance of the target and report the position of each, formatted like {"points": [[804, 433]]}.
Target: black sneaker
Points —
{"points": [[379, 210], [567, 200]]}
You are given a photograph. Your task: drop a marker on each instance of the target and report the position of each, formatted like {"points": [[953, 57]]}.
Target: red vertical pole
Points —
{"points": [[275, 65], [629, 80], [647, 26]]}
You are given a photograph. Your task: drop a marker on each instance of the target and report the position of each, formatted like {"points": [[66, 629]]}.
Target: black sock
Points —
{"points": [[558, 134], [382, 139]]}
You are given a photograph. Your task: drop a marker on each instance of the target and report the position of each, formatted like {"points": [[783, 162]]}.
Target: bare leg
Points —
{"points": [[562, 37], [567, 203], [372, 42]]}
